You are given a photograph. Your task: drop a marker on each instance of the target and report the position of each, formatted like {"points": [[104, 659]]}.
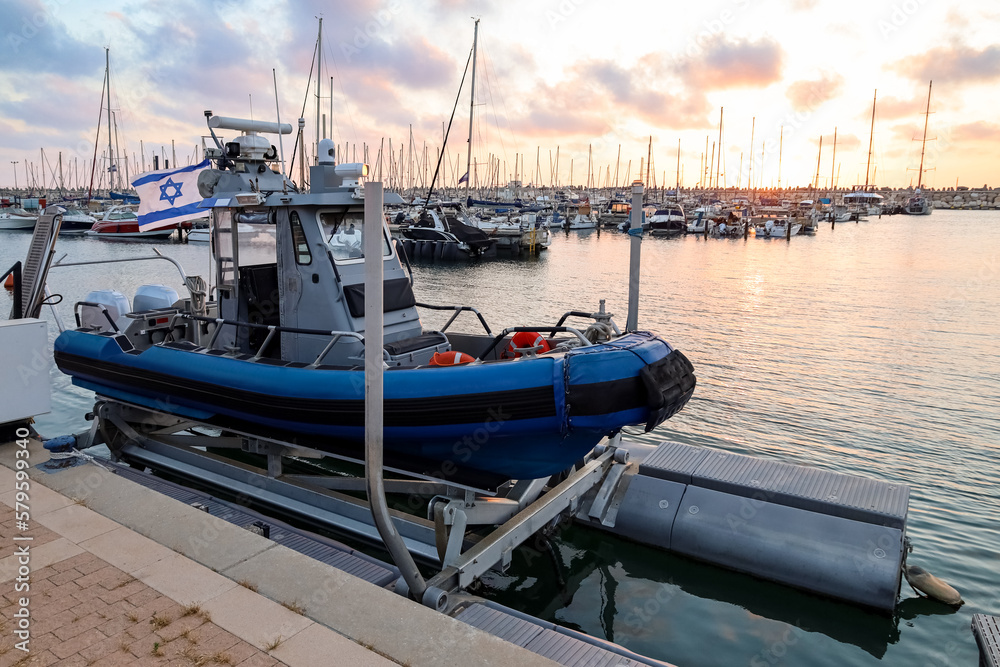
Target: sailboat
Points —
{"points": [[919, 204], [437, 233], [862, 202]]}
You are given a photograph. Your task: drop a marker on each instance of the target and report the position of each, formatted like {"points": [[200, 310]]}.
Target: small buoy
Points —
{"points": [[9, 283], [924, 582]]}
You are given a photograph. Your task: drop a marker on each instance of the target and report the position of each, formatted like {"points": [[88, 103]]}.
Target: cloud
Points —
{"points": [[979, 131], [807, 95], [733, 64], [907, 132], [890, 108], [845, 142], [956, 63], [35, 40]]}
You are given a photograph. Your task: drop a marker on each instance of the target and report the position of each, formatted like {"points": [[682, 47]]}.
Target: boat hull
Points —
{"points": [[521, 419], [17, 223]]}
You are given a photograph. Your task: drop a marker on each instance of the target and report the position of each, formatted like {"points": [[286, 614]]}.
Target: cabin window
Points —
{"points": [[299, 243], [344, 234]]}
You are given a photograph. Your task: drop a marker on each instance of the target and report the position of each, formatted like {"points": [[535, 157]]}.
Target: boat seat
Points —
{"points": [[416, 351], [407, 345]]}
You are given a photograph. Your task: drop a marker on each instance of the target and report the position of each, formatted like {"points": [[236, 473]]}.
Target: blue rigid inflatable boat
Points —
{"points": [[520, 418], [275, 348]]}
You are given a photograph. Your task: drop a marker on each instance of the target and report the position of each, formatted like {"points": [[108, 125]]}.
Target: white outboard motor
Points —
{"points": [[104, 310], [152, 297]]}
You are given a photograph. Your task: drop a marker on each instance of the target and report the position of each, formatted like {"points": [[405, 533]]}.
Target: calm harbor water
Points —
{"points": [[869, 349]]}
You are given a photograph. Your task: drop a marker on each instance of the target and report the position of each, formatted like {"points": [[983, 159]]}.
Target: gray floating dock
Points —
{"points": [[829, 533], [986, 630], [813, 489]]}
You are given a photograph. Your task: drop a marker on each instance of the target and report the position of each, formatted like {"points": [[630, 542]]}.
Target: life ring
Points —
{"points": [[523, 339], [451, 359]]}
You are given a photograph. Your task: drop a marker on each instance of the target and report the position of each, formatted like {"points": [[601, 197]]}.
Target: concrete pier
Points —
{"points": [[120, 574]]}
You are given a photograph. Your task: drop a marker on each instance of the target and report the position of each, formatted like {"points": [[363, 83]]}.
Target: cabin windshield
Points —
{"points": [[344, 234]]}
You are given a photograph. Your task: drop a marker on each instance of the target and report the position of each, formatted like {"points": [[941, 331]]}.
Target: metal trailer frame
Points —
{"points": [[140, 435]]}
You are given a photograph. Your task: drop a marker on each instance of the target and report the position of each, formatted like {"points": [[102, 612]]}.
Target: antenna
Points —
{"points": [[277, 112]]}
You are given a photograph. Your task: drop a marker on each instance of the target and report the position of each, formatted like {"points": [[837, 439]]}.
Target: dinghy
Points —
{"points": [[279, 353]]}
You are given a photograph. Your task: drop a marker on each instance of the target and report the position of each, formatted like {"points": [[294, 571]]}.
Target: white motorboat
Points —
{"points": [[76, 222], [864, 203], [204, 234], [581, 221], [17, 218]]}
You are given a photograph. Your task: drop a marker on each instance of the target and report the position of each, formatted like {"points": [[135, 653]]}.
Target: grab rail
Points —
{"points": [[552, 330], [18, 311], [458, 311], [271, 330], [158, 255]]}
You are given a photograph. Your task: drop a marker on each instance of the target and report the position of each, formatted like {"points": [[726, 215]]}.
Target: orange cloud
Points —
{"points": [[733, 64], [978, 131], [890, 108], [954, 63], [807, 95]]}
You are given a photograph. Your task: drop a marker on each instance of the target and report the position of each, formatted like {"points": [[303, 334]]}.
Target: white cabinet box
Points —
{"points": [[25, 360]]}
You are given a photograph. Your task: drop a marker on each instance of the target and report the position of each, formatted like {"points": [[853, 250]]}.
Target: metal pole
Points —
{"points": [[374, 482], [277, 113], [472, 107], [633, 272]]}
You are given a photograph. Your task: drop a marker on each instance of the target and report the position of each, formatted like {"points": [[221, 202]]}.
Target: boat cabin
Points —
{"points": [[308, 279]]}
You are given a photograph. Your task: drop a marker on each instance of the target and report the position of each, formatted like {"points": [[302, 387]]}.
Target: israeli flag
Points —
{"points": [[169, 196]]}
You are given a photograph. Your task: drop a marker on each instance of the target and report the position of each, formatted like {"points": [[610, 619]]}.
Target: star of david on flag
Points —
{"points": [[170, 185], [169, 196]]}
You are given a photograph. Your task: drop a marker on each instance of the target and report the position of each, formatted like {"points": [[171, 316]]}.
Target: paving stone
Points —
{"points": [[77, 643]]}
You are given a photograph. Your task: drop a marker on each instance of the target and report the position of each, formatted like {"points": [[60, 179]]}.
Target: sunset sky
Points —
{"points": [[552, 73]]}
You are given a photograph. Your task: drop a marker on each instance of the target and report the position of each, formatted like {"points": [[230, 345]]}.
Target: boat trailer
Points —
{"points": [[836, 535]]}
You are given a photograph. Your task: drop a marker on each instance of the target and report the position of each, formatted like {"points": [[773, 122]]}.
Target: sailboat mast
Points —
{"points": [[472, 107], [833, 163], [677, 189], [319, 81], [819, 155], [649, 160], [871, 138], [923, 145], [781, 145], [753, 129], [107, 76], [718, 165]]}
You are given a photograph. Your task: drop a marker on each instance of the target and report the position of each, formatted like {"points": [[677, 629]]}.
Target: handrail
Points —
{"points": [[553, 330], [271, 330], [18, 311], [458, 311], [158, 255]]}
